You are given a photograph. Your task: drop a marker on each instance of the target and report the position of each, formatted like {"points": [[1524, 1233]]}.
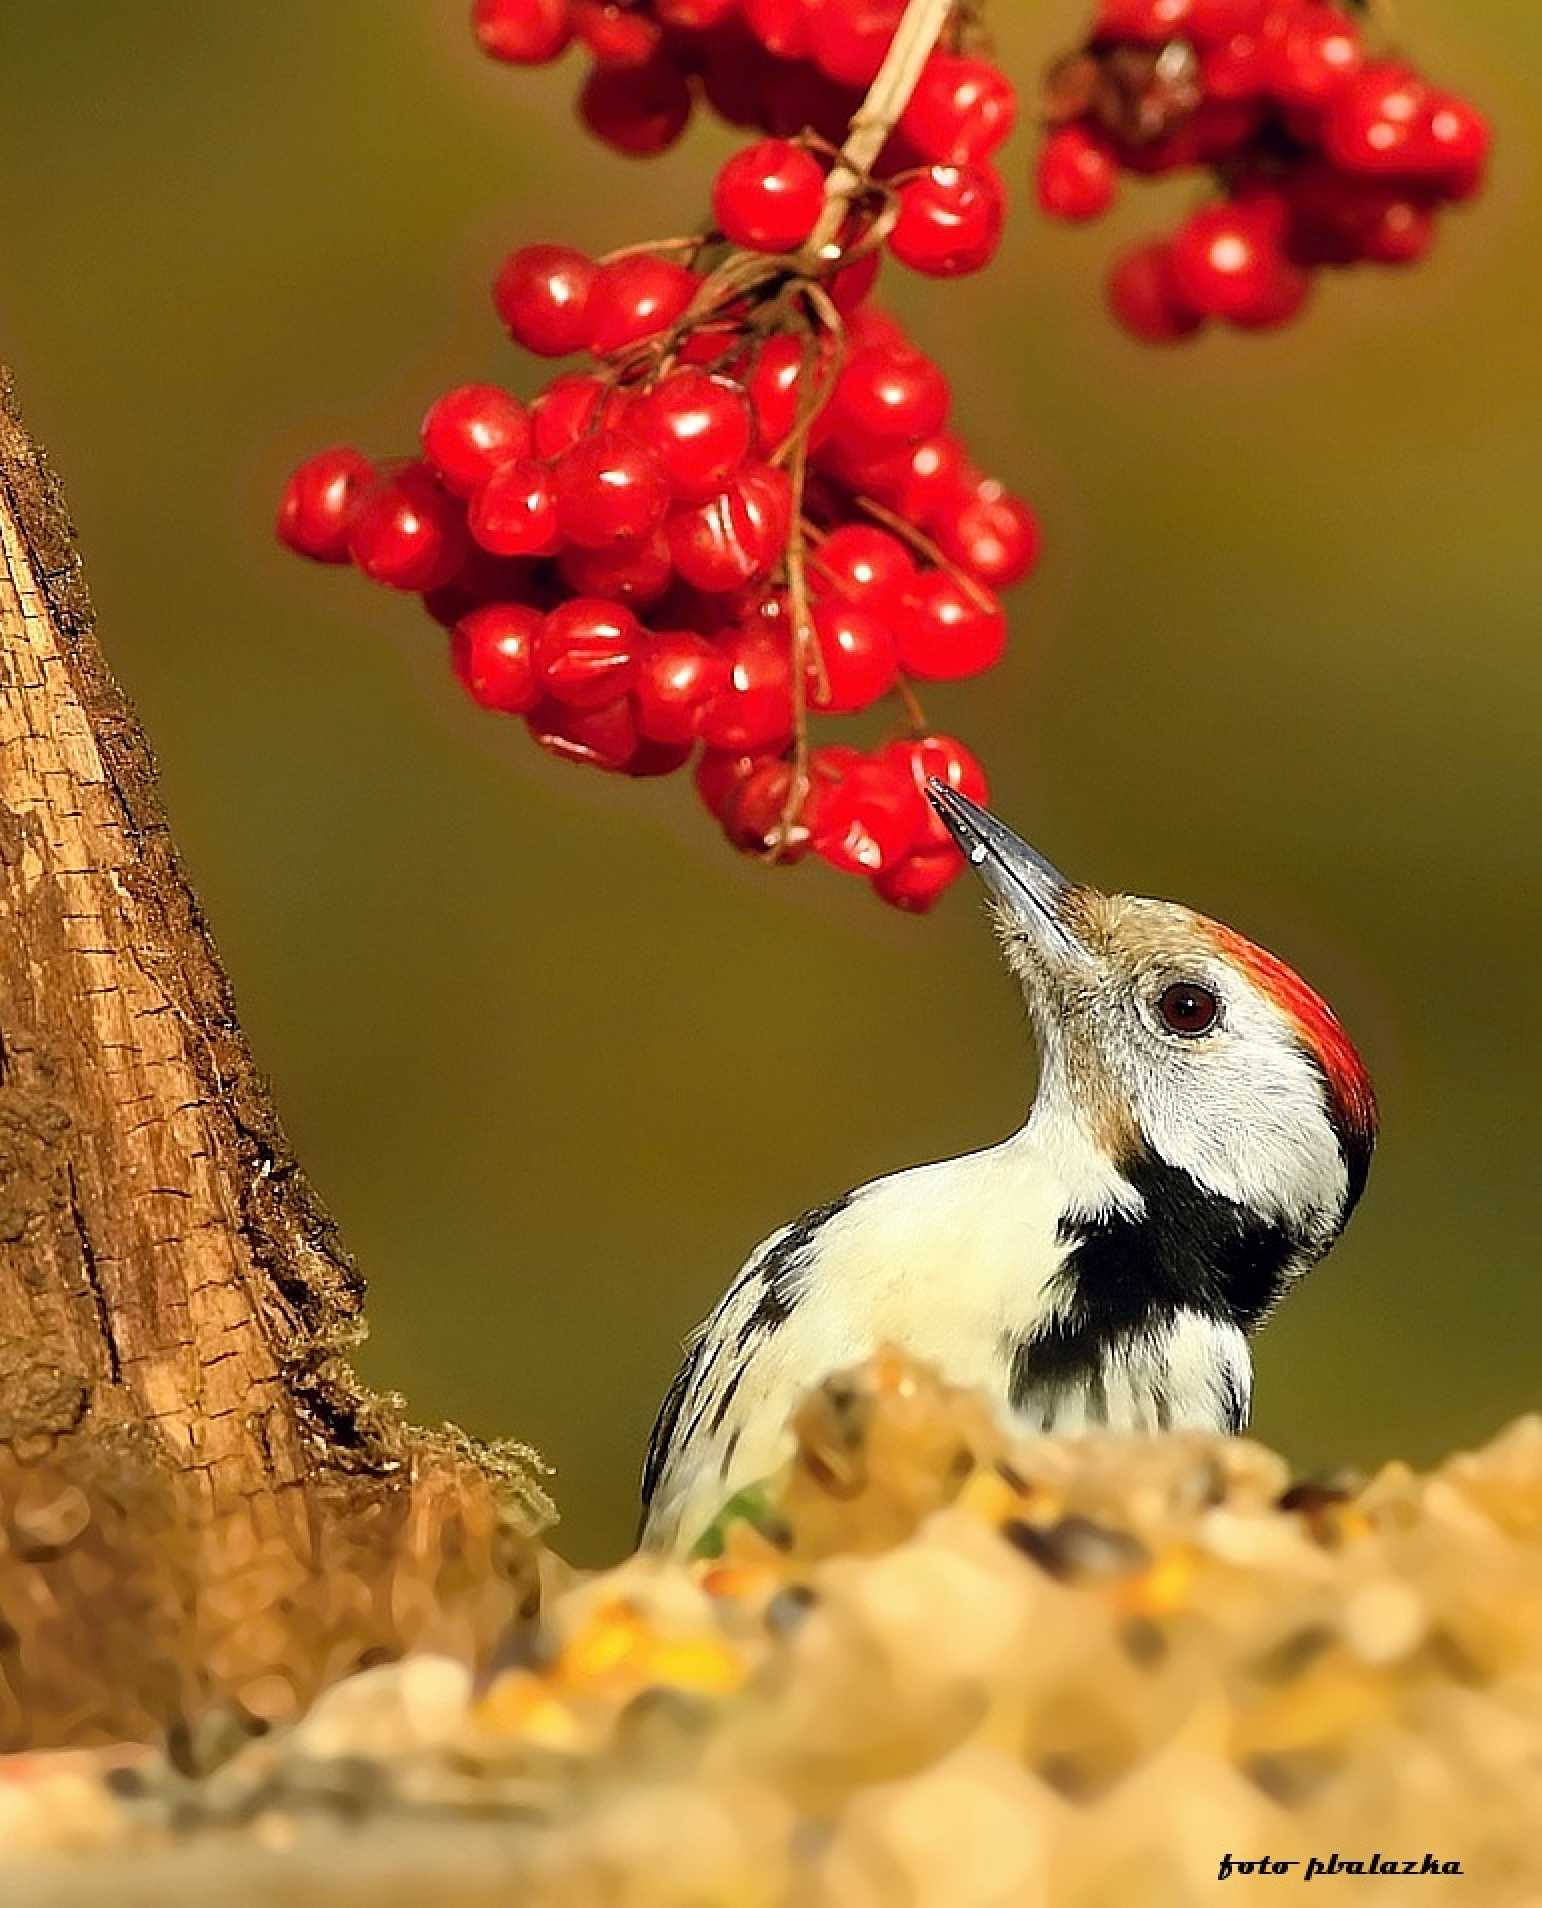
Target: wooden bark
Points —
{"points": [[203, 1514], [167, 1275]]}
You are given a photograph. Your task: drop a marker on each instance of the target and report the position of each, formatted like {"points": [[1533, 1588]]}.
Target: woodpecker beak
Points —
{"points": [[1028, 886]]}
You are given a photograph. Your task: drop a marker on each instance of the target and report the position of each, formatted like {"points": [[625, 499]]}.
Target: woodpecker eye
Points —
{"points": [[1187, 1008]]}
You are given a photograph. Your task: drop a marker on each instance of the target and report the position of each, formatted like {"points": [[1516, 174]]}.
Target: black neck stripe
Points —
{"points": [[1189, 1250]]}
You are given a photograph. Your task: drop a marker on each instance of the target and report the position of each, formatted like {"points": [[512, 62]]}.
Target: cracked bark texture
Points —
{"points": [[167, 1275]]}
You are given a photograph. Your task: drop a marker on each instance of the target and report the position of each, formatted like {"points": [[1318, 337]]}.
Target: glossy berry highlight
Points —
{"points": [[768, 198]]}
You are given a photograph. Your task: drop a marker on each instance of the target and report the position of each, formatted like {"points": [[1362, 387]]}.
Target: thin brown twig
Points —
{"points": [[804, 643], [816, 387], [877, 116], [910, 702], [691, 242], [920, 542], [741, 274]]}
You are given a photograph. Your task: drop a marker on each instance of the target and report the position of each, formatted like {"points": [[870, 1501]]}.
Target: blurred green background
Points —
{"points": [[556, 1057]]}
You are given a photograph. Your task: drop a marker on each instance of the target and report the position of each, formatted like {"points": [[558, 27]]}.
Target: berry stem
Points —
{"points": [[924, 546], [691, 244], [910, 702], [877, 116], [804, 643]]}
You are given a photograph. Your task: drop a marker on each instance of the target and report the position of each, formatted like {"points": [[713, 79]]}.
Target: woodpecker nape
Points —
{"points": [[1201, 1133]]}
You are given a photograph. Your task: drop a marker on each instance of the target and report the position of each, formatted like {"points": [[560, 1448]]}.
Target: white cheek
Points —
{"points": [[1246, 1120]]}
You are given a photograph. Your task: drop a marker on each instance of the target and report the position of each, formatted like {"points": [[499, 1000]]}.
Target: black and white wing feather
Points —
{"points": [[696, 1439]]}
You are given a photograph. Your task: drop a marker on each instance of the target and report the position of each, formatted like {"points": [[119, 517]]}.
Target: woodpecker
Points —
{"points": [[1201, 1133]]}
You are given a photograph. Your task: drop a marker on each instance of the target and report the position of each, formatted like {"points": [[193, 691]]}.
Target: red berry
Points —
{"points": [[872, 326], [1235, 69], [850, 286], [1312, 55], [515, 511], [798, 99], [960, 112], [773, 389], [1374, 123], [769, 197], [1226, 261], [1144, 296], [848, 39], [828, 767], [658, 758], [732, 71], [720, 773], [1077, 176], [1399, 230], [586, 652], [407, 533], [492, 651], [678, 674], [638, 574], [1170, 152], [867, 567], [1456, 136], [1281, 298], [947, 631], [564, 412], [528, 32], [1144, 19], [888, 391], [781, 26], [483, 579], [753, 815], [470, 431], [946, 759], [769, 491], [696, 16], [1212, 20], [316, 510], [698, 429], [928, 481], [634, 298], [542, 295], [1221, 128], [994, 536], [610, 492], [682, 606], [827, 764], [614, 35], [870, 819], [604, 738], [919, 882], [1459, 185], [754, 711], [616, 409], [864, 463], [857, 663], [706, 346], [950, 220], [734, 538], [637, 110]]}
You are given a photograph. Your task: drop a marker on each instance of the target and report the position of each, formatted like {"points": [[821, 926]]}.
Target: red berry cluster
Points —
{"points": [[745, 508], [785, 67], [1325, 155]]}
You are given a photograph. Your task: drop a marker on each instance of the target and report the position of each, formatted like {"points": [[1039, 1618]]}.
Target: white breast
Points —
{"points": [[950, 1262], [955, 1264]]}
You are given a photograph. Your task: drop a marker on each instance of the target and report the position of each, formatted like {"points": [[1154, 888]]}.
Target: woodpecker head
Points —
{"points": [[1187, 1056]]}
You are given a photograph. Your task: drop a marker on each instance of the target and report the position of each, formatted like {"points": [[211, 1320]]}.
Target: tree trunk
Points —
{"points": [[163, 1261], [200, 1505]]}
